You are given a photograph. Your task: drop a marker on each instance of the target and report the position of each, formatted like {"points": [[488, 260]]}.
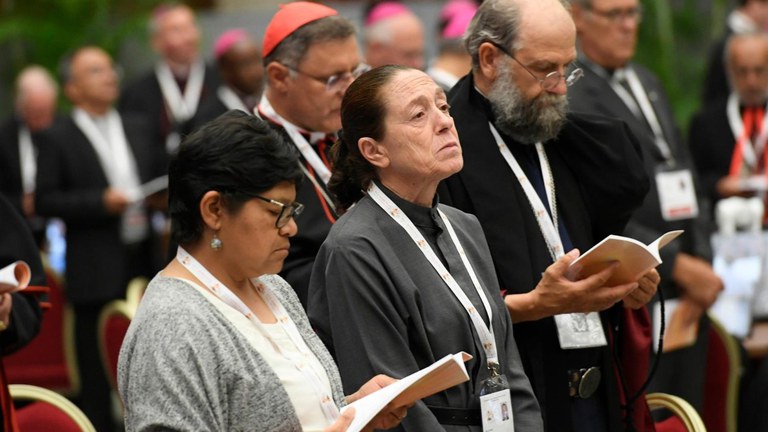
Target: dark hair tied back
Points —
{"points": [[363, 112]]}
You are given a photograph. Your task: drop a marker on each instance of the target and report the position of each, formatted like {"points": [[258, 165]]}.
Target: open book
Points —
{"points": [[442, 374], [14, 277], [634, 258]]}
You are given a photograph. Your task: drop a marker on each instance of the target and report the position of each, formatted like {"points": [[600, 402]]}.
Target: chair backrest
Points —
{"points": [[49, 360], [135, 290], [48, 411], [113, 325], [721, 389], [684, 419]]}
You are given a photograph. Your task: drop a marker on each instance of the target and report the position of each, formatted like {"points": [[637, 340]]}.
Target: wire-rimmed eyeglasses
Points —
{"points": [[552, 79], [287, 211], [335, 82]]}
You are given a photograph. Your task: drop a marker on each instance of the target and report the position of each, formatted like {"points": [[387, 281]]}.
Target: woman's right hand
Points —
{"points": [[342, 423]]}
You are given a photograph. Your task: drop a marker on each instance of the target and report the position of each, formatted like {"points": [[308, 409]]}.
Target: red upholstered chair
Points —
{"points": [[48, 411], [721, 386], [49, 360], [113, 325], [684, 417]]}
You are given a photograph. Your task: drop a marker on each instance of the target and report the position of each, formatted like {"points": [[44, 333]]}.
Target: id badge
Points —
{"points": [[580, 330], [677, 195], [496, 404]]}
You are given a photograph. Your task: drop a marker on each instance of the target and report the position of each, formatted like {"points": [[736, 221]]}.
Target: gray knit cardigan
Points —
{"points": [[183, 366]]}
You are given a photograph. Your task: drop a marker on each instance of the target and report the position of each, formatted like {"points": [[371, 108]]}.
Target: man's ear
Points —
{"points": [[277, 76], [373, 152], [487, 55], [212, 209]]}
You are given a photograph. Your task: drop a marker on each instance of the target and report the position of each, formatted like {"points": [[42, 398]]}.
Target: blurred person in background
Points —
{"points": [[393, 34], [614, 86], [35, 110], [452, 61], [749, 16], [90, 169], [170, 94], [238, 57]]}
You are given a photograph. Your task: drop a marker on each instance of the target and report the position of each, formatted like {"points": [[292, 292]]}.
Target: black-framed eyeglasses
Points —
{"points": [[337, 81], [618, 16], [287, 211], [552, 79]]}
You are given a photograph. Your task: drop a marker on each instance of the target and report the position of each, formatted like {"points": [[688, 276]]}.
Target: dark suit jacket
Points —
{"points": [[598, 185], [711, 143], [16, 243], [593, 94], [70, 184], [10, 169], [207, 111], [145, 98]]}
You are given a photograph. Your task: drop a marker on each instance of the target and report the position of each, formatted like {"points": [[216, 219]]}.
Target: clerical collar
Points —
{"points": [[419, 215], [312, 137]]}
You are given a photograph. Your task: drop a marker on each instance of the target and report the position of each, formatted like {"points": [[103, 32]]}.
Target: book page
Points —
{"points": [[14, 277], [443, 374], [634, 258]]}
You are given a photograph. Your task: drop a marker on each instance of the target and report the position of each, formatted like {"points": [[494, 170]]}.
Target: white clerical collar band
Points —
{"points": [[484, 332], [330, 410], [182, 107], [301, 143]]}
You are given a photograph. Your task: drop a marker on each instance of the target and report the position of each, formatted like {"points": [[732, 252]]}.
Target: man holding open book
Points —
{"points": [[542, 182]]}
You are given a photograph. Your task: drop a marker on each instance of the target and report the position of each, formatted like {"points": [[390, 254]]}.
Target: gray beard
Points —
{"points": [[526, 121]]}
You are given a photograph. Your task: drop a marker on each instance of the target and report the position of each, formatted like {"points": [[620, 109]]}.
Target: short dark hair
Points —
{"points": [[238, 155], [291, 50], [362, 115]]}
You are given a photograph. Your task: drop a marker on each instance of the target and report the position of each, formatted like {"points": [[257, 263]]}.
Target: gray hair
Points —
{"points": [[34, 78], [498, 22], [291, 50]]}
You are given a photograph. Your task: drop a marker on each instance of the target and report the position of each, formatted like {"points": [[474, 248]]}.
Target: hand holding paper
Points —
{"points": [[14, 277], [443, 374]]}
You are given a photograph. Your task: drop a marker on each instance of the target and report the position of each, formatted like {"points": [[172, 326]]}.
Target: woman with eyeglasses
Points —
{"points": [[219, 342]]}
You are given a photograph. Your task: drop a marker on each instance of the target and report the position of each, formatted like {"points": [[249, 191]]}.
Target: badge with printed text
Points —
{"points": [[496, 410], [579, 330], [677, 195]]}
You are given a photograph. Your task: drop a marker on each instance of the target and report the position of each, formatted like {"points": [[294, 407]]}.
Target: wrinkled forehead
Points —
{"points": [[410, 85], [549, 28]]}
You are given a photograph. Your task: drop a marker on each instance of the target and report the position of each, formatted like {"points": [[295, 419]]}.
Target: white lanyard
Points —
{"points": [[553, 241], [220, 290], [546, 225], [27, 160], [298, 139], [750, 151], [641, 108], [484, 332], [181, 107], [231, 100], [113, 151]]}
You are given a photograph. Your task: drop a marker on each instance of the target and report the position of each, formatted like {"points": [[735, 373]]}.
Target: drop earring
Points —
{"points": [[216, 242]]}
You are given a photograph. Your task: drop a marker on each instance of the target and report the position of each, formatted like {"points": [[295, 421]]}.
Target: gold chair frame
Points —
{"points": [[679, 407], [27, 392]]}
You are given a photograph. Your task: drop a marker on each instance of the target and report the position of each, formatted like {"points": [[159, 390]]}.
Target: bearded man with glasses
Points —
{"points": [[310, 58], [614, 86], [543, 182]]}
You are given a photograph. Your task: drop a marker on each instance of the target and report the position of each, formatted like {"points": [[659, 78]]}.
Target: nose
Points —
{"points": [[560, 89], [445, 121], [290, 229]]}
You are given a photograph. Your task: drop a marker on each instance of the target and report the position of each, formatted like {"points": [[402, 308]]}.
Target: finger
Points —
{"points": [[345, 419], [612, 295]]}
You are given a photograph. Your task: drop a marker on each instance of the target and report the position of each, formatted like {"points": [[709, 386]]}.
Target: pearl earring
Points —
{"points": [[216, 242]]}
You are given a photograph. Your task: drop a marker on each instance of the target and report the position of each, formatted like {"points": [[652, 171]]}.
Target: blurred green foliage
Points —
{"points": [[674, 41], [42, 31]]}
